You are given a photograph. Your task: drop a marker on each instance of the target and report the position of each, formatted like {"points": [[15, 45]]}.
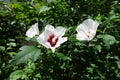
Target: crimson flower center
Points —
{"points": [[52, 40]]}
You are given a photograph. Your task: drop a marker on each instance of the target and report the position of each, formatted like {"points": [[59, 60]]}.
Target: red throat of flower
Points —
{"points": [[52, 40]]}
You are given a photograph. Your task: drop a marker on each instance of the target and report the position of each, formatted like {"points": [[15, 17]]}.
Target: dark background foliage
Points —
{"points": [[98, 59]]}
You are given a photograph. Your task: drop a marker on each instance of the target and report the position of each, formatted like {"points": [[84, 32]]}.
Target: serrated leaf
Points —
{"points": [[44, 8], [26, 53]]}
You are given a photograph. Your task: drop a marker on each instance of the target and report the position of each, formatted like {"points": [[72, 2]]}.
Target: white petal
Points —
{"points": [[87, 26], [93, 33], [82, 27], [81, 36], [60, 31], [53, 49], [33, 31], [42, 41], [91, 37], [91, 24], [35, 27], [49, 28], [47, 34], [30, 33], [95, 25], [60, 41]]}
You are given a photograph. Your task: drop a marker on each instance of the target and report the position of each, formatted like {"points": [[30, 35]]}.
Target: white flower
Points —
{"points": [[33, 31], [52, 37], [87, 30]]}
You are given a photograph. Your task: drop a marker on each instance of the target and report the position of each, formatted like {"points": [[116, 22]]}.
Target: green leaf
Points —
{"points": [[51, 1], [108, 39], [11, 44], [99, 48], [90, 69], [73, 38], [62, 56], [16, 75], [44, 8], [26, 53], [2, 48], [118, 64]]}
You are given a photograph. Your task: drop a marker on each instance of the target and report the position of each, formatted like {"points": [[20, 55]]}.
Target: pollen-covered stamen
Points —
{"points": [[88, 34], [52, 40]]}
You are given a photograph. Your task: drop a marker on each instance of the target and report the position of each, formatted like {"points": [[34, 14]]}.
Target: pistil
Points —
{"points": [[52, 40]]}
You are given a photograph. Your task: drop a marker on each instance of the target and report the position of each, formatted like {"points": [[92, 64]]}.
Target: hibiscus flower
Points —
{"points": [[87, 30], [33, 31], [52, 37]]}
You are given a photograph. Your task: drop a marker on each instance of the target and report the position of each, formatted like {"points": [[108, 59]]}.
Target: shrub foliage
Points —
{"points": [[98, 59]]}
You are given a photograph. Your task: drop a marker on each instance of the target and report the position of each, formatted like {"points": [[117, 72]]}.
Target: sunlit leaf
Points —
{"points": [[26, 53], [44, 8], [16, 75]]}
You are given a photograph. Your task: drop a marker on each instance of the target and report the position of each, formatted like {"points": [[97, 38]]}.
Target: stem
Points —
{"points": [[104, 30]]}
